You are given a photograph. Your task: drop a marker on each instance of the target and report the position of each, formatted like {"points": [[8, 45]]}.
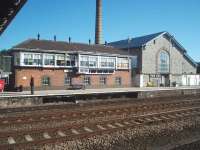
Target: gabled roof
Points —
{"points": [[135, 42], [56, 46], [141, 41]]}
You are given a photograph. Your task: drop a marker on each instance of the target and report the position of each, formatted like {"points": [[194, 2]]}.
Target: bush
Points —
{"points": [[150, 84]]}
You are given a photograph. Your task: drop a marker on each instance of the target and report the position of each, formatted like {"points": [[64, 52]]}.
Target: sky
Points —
{"points": [[121, 19]]}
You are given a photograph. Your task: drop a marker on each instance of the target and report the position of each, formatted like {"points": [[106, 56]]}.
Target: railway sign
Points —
{"points": [[2, 84]]}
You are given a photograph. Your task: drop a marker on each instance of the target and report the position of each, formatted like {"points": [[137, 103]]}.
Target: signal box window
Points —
{"points": [[46, 81], [87, 81], [118, 81], [103, 80]]}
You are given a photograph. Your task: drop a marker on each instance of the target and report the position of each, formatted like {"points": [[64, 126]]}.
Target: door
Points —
{"points": [[165, 80]]}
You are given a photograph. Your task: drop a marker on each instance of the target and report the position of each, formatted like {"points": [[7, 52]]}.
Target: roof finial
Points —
{"points": [[70, 40], [54, 38], [38, 36]]}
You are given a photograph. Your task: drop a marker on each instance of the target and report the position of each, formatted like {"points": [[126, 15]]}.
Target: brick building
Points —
{"points": [[162, 60], [59, 65]]}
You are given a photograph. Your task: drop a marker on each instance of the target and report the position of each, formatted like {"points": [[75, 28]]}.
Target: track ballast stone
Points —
{"points": [[151, 137]]}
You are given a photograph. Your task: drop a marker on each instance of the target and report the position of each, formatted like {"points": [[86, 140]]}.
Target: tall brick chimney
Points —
{"points": [[98, 29]]}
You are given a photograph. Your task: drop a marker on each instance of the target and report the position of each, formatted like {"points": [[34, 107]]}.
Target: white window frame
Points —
{"points": [[103, 80], [87, 80], [31, 58], [40, 58], [45, 57], [164, 67], [85, 59], [33, 55], [121, 62], [93, 59], [107, 60], [70, 58], [58, 57]]}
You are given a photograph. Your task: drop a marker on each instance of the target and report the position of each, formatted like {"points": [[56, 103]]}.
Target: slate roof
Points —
{"points": [[138, 42], [56, 46], [135, 42]]}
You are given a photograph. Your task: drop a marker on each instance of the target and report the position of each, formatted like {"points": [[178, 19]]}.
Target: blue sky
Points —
{"points": [[121, 19]]}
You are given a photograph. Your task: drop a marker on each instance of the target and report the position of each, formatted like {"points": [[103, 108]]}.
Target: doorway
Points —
{"points": [[165, 80]]}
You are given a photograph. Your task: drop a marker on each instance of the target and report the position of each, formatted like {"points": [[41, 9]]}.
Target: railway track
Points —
{"points": [[117, 110], [22, 139]]}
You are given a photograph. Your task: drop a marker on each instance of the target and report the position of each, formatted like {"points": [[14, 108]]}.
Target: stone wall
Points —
{"points": [[6, 102], [178, 63], [168, 93]]}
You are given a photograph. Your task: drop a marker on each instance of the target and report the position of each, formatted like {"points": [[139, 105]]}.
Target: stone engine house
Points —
{"points": [[161, 60]]}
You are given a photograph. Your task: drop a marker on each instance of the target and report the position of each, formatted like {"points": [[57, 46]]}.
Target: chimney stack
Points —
{"points": [[98, 29]]}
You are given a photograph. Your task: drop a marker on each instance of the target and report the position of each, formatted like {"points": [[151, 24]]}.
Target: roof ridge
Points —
{"points": [[141, 36], [151, 34], [49, 45], [63, 42]]}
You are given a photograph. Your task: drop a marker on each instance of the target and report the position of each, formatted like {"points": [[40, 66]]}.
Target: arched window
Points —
{"points": [[46, 81], [163, 62]]}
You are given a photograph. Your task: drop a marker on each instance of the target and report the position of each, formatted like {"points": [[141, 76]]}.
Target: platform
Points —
{"points": [[19, 99], [91, 91]]}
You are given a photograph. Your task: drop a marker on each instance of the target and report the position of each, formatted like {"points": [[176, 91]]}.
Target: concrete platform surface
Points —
{"points": [[90, 91]]}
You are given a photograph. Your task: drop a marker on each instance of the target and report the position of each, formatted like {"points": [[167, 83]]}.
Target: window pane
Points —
{"points": [[37, 59], [87, 81], [123, 63], [118, 81], [60, 60], [70, 60], [84, 61], [107, 62], [163, 62], [28, 59], [68, 80], [103, 80], [46, 81], [49, 60], [93, 61]]}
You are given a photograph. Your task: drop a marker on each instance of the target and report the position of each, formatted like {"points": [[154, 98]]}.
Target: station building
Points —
{"points": [[58, 65], [161, 61]]}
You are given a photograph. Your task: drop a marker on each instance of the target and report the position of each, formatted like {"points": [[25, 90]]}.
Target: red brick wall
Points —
{"points": [[23, 76]]}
